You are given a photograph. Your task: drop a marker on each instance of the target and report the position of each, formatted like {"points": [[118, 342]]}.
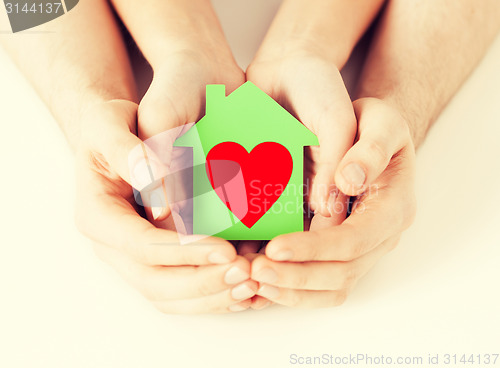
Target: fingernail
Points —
{"points": [[332, 199], [156, 204], [354, 174], [237, 308], [282, 255], [143, 174], [265, 305], [266, 275], [218, 258], [235, 275], [242, 292], [156, 211], [268, 291]]}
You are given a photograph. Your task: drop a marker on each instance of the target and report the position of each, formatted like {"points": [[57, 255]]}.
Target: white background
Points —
{"points": [[436, 293]]}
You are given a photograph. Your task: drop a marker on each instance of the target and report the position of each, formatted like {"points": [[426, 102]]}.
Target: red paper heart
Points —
{"points": [[249, 183]]}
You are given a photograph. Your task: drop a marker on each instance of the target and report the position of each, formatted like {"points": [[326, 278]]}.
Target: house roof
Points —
{"points": [[247, 116]]}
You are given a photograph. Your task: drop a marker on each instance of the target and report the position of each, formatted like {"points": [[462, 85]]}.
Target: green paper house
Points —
{"points": [[251, 152]]}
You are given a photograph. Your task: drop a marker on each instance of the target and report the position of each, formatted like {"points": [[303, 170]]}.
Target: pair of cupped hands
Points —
{"points": [[365, 151]]}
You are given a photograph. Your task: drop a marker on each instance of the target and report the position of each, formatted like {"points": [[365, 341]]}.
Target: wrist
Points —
{"points": [[211, 56], [330, 29], [163, 29], [415, 119], [292, 41], [412, 120]]}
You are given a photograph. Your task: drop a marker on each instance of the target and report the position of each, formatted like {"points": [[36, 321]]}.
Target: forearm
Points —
{"points": [[74, 62], [163, 28], [328, 28], [422, 53]]}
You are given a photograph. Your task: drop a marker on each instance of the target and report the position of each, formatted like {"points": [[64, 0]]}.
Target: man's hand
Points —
{"points": [[298, 65], [318, 268], [204, 276]]}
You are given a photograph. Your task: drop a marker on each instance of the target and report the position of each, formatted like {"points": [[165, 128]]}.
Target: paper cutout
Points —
{"points": [[250, 119]]}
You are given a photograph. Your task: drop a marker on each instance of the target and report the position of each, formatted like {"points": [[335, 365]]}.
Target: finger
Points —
{"points": [[166, 106], [323, 105], [218, 303], [338, 205], [176, 96], [327, 110], [303, 298], [306, 275], [109, 132], [181, 282], [380, 218], [114, 148], [251, 256], [382, 133], [385, 209], [259, 303], [248, 246], [318, 275], [161, 115], [113, 221]]}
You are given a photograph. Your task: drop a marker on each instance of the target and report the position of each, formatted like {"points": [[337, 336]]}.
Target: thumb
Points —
{"points": [[163, 116], [331, 117], [382, 132], [114, 145], [323, 105]]}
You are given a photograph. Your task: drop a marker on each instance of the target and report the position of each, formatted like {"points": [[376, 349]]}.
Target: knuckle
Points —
{"points": [[147, 286], [409, 211], [146, 252], [354, 250], [393, 244], [184, 256], [145, 112], [340, 297], [253, 71], [98, 251], [206, 286], [402, 126], [315, 251], [399, 124], [301, 280], [164, 308], [376, 152], [139, 252], [349, 275], [294, 299], [82, 223]]}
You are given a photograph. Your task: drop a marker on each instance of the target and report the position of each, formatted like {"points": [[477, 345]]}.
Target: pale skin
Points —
{"points": [[91, 91]]}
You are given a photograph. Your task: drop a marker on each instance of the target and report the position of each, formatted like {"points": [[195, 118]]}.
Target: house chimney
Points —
{"points": [[215, 95]]}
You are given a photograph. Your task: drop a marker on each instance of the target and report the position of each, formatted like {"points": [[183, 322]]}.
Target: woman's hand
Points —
{"points": [[186, 47], [203, 276], [318, 268], [177, 97], [310, 87]]}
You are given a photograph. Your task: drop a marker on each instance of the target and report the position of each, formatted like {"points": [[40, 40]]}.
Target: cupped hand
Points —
{"points": [[177, 97], [319, 267], [310, 87], [202, 276]]}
